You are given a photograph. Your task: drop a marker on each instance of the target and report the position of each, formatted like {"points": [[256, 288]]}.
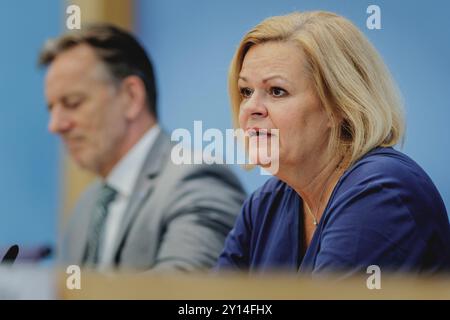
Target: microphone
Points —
{"points": [[10, 255]]}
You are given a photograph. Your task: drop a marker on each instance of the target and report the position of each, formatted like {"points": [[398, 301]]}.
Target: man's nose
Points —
{"points": [[59, 121]]}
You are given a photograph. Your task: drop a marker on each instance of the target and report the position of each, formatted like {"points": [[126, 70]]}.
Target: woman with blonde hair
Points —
{"points": [[342, 199]]}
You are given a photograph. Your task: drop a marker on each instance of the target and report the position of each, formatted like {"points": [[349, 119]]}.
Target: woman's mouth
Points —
{"points": [[258, 132]]}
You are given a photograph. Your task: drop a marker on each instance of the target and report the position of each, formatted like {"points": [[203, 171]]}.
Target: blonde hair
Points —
{"points": [[349, 77]]}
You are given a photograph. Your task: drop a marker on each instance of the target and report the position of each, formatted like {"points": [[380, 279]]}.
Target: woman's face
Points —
{"points": [[277, 94]]}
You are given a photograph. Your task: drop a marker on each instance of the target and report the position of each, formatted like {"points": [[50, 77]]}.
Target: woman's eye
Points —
{"points": [[278, 92], [246, 92]]}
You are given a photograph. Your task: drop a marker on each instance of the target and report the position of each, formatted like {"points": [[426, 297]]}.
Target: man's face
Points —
{"points": [[86, 109]]}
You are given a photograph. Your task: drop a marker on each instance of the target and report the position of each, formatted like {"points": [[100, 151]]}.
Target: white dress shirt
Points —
{"points": [[123, 178]]}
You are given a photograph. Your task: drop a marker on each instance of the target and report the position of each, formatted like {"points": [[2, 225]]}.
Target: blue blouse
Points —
{"points": [[384, 211]]}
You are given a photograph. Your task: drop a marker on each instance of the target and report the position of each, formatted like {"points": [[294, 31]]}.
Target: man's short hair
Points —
{"points": [[122, 54]]}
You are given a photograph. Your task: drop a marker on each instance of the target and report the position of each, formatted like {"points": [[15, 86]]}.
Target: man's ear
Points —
{"points": [[135, 96]]}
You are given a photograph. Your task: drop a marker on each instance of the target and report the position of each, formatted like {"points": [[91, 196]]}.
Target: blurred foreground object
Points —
{"points": [[25, 282], [239, 286]]}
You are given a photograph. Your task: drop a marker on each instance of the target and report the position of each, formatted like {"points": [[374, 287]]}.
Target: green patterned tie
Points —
{"points": [[106, 196]]}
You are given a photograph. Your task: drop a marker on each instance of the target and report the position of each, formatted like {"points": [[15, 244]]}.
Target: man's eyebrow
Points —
{"points": [[72, 94]]}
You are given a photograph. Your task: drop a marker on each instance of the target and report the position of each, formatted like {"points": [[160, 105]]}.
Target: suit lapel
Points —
{"points": [[144, 186]]}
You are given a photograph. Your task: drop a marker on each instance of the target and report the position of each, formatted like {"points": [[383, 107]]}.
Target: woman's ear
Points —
{"points": [[334, 119], [134, 92]]}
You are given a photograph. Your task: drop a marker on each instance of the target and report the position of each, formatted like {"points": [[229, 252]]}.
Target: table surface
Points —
{"points": [[28, 282], [238, 286]]}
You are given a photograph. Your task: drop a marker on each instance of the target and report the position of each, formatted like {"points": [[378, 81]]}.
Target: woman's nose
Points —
{"points": [[255, 106]]}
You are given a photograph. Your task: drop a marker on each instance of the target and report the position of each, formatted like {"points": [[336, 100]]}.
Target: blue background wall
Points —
{"points": [[192, 43], [29, 155]]}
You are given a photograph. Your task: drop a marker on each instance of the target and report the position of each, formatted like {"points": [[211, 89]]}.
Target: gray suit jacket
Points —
{"points": [[177, 219]]}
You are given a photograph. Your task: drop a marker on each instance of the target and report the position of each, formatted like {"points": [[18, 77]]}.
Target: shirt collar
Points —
{"points": [[124, 175]]}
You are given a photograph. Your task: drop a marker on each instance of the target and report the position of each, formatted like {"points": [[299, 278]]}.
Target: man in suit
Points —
{"points": [[144, 212]]}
